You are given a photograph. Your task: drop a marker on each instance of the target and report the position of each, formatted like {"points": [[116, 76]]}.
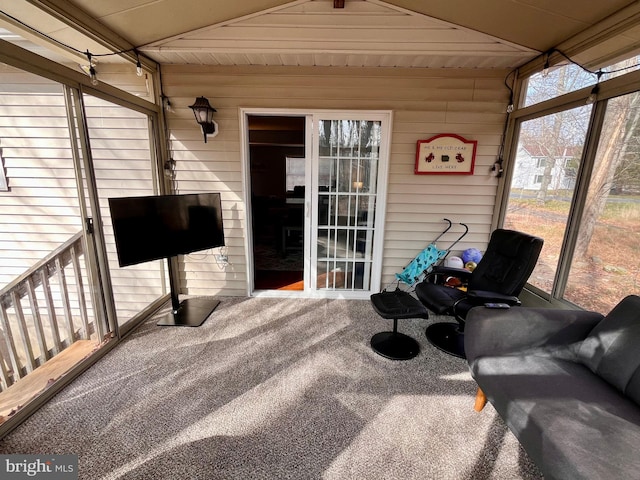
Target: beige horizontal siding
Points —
{"points": [[425, 102]]}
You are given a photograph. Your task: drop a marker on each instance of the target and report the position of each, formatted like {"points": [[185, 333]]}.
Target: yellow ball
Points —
{"points": [[470, 266]]}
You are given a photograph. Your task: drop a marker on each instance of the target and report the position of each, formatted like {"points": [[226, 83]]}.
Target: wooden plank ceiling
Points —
{"points": [[369, 33], [362, 34]]}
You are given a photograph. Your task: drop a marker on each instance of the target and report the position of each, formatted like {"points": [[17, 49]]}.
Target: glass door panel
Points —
{"points": [[543, 182], [123, 166], [347, 179], [604, 268]]}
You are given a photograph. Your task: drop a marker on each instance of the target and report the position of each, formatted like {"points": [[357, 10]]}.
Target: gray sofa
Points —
{"points": [[566, 382]]}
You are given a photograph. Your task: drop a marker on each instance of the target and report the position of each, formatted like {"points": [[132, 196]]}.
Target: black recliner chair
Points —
{"points": [[499, 277]]}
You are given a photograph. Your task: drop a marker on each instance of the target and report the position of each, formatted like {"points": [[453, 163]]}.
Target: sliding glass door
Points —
{"points": [[345, 199], [123, 165], [330, 177]]}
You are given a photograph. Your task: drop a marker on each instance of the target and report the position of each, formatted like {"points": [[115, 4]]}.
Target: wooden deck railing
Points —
{"points": [[44, 311]]}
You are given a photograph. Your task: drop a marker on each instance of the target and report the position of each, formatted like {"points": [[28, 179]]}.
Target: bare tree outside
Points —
{"points": [[604, 267], [622, 122]]}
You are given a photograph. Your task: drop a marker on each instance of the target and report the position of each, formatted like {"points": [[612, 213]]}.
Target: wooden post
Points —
{"points": [[37, 321], [51, 310], [481, 400]]}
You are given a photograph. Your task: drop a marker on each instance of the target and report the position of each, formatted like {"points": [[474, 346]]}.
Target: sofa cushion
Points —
{"points": [[611, 348], [499, 332], [571, 422]]}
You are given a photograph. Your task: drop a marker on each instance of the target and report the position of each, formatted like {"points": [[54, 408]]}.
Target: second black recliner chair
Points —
{"points": [[498, 278]]}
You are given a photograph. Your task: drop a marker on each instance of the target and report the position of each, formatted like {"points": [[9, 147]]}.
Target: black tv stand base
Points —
{"points": [[191, 313]]}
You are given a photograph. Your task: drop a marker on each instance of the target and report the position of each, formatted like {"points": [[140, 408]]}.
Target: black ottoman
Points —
{"points": [[396, 305]]}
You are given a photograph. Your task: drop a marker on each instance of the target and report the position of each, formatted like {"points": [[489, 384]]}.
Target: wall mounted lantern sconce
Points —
{"points": [[203, 112]]}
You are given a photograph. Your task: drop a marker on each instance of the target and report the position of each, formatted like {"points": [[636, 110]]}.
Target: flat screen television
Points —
{"points": [[164, 226]]}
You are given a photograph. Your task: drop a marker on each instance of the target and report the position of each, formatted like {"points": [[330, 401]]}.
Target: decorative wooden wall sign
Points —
{"points": [[445, 154]]}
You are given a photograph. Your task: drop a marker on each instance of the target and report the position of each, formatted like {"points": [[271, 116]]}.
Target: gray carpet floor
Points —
{"points": [[274, 389]]}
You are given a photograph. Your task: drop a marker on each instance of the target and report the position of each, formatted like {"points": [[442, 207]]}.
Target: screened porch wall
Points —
{"points": [[41, 210], [470, 103]]}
